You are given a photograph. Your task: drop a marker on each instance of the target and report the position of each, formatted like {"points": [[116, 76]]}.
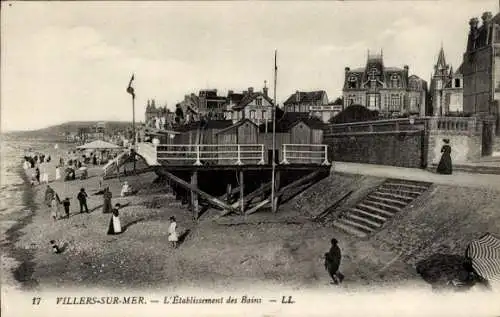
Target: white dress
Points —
{"points": [[116, 224], [125, 190], [172, 234], [58, 173]]}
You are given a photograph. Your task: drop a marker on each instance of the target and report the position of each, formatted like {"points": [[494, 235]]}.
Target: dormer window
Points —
{"points": [[413, 85], [372, 74], [352, 81], [395, 81], [258, 101], [457, 82]]}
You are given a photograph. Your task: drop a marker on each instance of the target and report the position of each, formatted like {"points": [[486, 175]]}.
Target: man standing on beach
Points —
{"points": [[332, 262], [82, 198], [66, 204]]}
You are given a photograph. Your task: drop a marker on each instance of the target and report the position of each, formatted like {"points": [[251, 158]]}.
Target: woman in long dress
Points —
{"points": [[58, 173], [172, 232], [444, 166], [106, 207], [115, 225]]}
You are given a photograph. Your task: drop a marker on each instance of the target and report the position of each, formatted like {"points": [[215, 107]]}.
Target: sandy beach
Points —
{"points": [[212, 253]]}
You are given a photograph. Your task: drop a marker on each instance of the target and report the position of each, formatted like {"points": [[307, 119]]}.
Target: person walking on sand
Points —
{"points": [[172, 232], [37, 174], [107, 196], [444, 166], [332, 262], [82, 198], [114, 224], [54, 208], [66, 203], [58, 173]]}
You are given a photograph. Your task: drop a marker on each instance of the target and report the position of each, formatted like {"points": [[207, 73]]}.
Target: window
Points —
{"points": [[263, 114], [414, 85], [258, 101], [372, 74], [413, 104], [457, 82], [395, 102], [395, 81], [372, 102], [352, 82], [252, 114]]}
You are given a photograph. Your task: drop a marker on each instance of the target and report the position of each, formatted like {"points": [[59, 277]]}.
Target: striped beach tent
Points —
{"points": [[484, 254]]}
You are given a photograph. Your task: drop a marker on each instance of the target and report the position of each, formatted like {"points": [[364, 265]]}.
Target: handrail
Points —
{"points": [[204, 152], [298, 154]]}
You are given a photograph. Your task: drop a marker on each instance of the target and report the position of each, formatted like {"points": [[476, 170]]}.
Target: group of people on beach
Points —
{"points": [[55, 203]]}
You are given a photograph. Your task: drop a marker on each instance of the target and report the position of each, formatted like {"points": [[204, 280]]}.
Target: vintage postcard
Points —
{"points": [[250, 158]]}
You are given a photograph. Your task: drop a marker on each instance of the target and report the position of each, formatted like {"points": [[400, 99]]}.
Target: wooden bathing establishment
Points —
{"points": [[229, 166]]}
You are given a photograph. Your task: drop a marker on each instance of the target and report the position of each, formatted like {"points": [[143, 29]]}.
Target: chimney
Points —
{"points": [[265, 90], [230, 92], [250, 90], [486, 17], [297, 96], [347, 69]]}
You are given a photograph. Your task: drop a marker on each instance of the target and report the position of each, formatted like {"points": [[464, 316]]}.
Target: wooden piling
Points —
{"points": [[277, 187], [242, 192], [228, 192], [194, 195]]}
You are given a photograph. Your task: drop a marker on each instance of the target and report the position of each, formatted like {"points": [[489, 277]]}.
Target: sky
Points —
{"points": [[71, 61]]}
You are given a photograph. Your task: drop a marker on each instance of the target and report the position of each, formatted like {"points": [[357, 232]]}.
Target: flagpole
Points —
{"points": [[273, 205], [133, 120]]}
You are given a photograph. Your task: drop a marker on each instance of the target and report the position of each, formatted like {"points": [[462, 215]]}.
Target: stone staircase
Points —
{"points": [[378, 206]]}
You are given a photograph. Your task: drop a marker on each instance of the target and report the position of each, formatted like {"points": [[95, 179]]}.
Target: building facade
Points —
{"points": [[255, 106], [446, 91], [301, 101], [389, 90], [481, 70]]}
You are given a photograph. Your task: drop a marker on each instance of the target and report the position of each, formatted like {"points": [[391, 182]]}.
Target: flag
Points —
{"points": [[130, 89]]}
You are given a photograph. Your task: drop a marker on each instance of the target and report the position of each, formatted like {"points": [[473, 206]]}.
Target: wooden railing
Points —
{"points": [[199, 154], [305, 153]]}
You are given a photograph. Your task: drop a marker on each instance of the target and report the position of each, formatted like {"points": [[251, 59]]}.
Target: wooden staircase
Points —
{"points": [[377, 207]]}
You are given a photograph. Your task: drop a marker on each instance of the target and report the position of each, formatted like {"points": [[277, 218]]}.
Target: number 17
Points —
{"points": [[36, 300]]}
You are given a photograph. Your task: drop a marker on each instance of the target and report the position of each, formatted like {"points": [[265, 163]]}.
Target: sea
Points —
{"points": [[17, 197]]}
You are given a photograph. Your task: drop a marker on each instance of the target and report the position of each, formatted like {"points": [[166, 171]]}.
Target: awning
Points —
{"points": [[485, 255]]}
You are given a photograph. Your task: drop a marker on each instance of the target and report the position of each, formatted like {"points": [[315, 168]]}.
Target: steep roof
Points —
{"points": [[305, 97], [441, 61], [248, 98], [289, 119], [237, 124], [208, 124]]}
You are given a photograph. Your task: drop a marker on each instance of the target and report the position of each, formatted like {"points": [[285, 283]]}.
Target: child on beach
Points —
{"points": [[66, 204], [55, 208], [172, 232], [55, 248]]}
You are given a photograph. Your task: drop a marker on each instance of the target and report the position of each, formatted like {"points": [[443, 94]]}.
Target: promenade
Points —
{"points": [[457, 178]]}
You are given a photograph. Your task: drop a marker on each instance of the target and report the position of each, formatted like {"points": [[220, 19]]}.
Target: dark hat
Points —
{"points": [[117, 205], [172, 218], [334, 241], [446, 140], [82, 190], [52, 241]]}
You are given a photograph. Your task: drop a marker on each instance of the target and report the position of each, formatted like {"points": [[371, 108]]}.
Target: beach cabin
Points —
{"points": [[292, 128], [244, 132]]}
